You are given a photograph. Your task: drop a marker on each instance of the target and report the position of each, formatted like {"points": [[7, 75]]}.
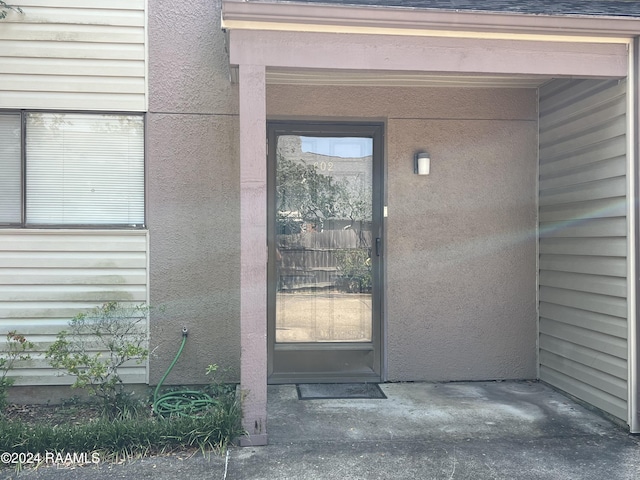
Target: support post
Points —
{"points": [[253, 253]]}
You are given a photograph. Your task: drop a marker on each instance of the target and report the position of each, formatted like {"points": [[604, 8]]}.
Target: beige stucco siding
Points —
{"points": [[193, 196], [88, 55], [583, 241], [49, 276], [461, 251], [460, 244]]}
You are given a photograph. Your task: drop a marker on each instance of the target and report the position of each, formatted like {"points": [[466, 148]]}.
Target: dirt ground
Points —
{"points": [[71, 412]]}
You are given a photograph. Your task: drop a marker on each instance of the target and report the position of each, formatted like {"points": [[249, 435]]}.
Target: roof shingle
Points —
{"points": [[616, 8]]}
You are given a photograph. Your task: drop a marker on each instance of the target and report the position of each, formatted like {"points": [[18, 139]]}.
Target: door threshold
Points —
{"points": [[286, 379]]}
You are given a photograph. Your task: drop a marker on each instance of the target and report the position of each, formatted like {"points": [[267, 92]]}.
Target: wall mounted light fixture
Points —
{"points": [[422, 163]]}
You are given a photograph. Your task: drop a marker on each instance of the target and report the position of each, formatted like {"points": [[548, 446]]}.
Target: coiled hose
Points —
{"points": [[185, 403]]}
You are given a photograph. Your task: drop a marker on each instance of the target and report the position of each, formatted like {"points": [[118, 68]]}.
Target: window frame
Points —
{"points": [[23, 174]]}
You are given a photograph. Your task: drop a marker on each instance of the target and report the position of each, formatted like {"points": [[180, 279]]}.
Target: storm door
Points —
{"points": [[324, 252]]}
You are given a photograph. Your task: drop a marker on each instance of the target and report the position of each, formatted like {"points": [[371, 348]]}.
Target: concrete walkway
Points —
{"points": [[487, 430]]}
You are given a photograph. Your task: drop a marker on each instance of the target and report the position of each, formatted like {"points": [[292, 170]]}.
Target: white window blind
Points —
{"points": [[84, 169], [10, 169]]}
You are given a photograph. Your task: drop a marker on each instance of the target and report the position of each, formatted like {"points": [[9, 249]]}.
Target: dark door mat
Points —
{"points": [[318, 391]]}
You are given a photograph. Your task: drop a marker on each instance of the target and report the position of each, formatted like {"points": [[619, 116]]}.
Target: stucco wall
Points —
{"points": [[461, 251], [192, 192], [460, 256], [460, 243]]}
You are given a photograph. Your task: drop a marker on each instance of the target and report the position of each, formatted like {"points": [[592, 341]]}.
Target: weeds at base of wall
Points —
{"points": [[117, 425], [16, 351], [127, 437], [5, 383]]}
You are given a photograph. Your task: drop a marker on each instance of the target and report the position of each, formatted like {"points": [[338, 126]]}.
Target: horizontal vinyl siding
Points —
{"points": [[48, 276], [74, 55], [583, 241]]}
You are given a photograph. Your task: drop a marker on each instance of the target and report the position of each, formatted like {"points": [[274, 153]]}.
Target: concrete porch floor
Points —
{"points": [[475, 431], [483, 430]]}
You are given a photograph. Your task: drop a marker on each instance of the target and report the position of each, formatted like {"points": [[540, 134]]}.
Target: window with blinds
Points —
{"points": [[80, 169], [10, 169]]}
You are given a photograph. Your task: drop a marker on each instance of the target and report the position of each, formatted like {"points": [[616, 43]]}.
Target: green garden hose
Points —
{"points": [[184, 403]]}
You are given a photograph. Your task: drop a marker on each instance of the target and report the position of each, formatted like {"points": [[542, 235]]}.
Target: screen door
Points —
{"points": [[324, 252]]}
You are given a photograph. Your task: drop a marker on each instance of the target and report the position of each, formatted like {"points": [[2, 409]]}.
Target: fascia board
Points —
{"points": [[293, 16]]}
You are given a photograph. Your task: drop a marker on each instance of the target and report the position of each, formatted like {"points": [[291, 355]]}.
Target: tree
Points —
{"points": [[304, 194]]}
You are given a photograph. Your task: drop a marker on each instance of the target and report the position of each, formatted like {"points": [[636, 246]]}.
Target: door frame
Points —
{"points": [[371, 354]]}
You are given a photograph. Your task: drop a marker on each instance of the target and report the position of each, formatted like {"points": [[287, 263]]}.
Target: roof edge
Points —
{"points": [[248, 14]]}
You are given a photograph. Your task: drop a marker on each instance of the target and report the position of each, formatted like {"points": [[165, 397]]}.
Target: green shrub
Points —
{"points": [[17, 346], [124, 430], [354, 268], [97, 344]]}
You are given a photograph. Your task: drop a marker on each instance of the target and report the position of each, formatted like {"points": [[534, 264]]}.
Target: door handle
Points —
{"points": [[378, 240]]}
